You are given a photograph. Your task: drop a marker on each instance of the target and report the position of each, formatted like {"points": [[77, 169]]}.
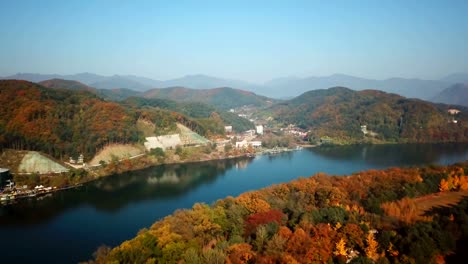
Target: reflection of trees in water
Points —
{"points": [[281, 155], [172, 177], [114, 192], [392, 155], [242, 164]]}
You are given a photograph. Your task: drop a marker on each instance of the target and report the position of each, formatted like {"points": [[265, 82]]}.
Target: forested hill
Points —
{"points": [[390, 216], [338, 113], [223, 98], [60, 121], [67, 122], [199, 111], [116, 94], [66, 84]]}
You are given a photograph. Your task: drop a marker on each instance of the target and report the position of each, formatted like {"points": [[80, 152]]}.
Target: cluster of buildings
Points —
{"points": [[293, 130], [80, 160], [245, 144], [246, 137], [252, 132]]}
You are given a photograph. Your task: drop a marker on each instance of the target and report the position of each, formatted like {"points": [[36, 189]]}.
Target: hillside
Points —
{"points": [[111, 94], [60, 122], [339, 113], [223, 98], [66, 84], [198, 111], [65, 123], [117, 94], [456, 94], [367, 217]]}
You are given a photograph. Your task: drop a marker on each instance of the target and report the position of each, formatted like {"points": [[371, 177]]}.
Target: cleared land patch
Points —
{"points": [[116, 151], [188, 137], [34, 162], [410, 210]]}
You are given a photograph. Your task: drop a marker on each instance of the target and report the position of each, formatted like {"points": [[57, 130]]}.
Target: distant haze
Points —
{"points": [[276, 88], [254, 41]]}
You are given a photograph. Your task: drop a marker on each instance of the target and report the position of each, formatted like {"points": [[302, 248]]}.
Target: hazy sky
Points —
{"points": [[235, 39]]}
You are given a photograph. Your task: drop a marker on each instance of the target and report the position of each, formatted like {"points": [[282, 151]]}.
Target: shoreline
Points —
{"points": [[144, 165], [7, 199], [141, 166]]}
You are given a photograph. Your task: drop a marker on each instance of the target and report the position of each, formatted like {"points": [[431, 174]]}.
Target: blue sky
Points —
{"points": [[249, 40]]}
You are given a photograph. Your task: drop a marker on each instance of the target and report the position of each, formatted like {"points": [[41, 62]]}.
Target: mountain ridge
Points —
{"points": [[276, 88], [221, 97], [456, 94]]}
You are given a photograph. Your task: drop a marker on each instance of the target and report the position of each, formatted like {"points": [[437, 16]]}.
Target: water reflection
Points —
{"points": [[288, 155], [395, 155], [115, 192]]}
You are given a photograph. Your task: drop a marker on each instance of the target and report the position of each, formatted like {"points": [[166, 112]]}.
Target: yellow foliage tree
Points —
{"points": [[240, 254], [253, 202], [340, 248], [443, 186], [463, 183], [372, 246]]}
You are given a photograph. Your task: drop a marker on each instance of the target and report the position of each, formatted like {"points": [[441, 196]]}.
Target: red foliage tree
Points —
{"points": [[263, 218]]}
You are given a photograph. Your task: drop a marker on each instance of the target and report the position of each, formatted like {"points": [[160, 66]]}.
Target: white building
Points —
{"points": [[228, 129], [453, 111], [255, 144], [244, 144], [259, 129], [241, 144]]}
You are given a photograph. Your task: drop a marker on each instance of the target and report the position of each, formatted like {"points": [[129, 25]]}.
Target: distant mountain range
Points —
{"points": [[412, 88], [276, 88], [138, 83], [456, 94], [115, 94]]}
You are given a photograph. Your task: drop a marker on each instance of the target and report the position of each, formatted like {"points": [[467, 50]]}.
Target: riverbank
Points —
{"points": [[83, 175], [27, 183]]}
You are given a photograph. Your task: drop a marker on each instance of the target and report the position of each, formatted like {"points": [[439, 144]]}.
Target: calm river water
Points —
{"points": [[68, 226]]}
